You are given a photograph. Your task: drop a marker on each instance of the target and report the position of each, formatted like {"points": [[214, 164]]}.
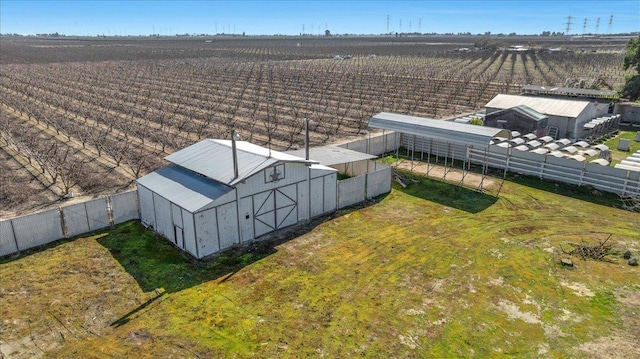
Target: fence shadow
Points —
{"points": [[583, 193], [446, 194]]}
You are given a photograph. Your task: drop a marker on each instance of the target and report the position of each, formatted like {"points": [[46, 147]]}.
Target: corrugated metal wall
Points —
{"points": [[351, 191], [189, 231], [124, 206], [164, 222], [76, 219], [145, 198], [36, 229], [420, 147], [86, 217], [376, 144], [228, 225], [354, 190], [8, 243], [207, 232], [330, 190], [564, 170], [379, 182]]}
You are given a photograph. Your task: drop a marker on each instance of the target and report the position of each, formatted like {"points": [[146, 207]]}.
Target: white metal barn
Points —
{"points": [[209, 199], [566, 117]]}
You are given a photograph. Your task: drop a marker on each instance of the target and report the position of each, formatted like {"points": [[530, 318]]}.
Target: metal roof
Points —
{"points": [[330, 155], [531, 113], [214, 159], [446, 131], [540, 151], [187, 189], [544, 105], [569, 91]]}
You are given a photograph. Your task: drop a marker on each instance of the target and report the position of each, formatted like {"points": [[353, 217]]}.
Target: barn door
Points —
{"points": [[178, 234], [275, 209]]}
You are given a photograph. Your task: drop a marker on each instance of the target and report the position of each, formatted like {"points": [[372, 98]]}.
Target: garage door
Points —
{"points": [[275, 209]]}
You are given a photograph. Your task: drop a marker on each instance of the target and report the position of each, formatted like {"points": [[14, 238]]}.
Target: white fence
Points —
{"points": [[357, 189], [36, 229], [565, 170], [375, 144]]}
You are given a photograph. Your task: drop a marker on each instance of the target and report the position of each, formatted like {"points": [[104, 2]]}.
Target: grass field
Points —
{"points": [[429, 271], [618, 155]]}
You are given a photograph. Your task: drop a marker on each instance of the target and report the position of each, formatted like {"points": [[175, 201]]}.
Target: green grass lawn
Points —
{"points": [[618, 155], [429, 271]]}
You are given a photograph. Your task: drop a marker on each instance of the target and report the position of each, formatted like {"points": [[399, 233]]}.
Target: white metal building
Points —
{"points": [[205, 202], [566, 117]]}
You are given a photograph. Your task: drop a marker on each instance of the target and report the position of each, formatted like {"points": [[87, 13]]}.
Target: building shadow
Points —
{"points": [[157, 265], [446, 194]]}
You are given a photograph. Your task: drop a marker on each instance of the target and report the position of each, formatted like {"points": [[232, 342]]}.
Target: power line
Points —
{"points": [[568, 24]]}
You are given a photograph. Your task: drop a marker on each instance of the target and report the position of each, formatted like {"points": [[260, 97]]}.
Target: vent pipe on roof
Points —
{"points": [[234, 136], [306, 139]]}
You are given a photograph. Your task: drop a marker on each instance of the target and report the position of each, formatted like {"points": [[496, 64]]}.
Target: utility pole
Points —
{"points": [[387, 23], [568, 24]]}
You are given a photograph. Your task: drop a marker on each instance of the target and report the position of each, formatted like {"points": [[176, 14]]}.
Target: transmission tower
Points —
{"points": [[610, 23], [387, 23], [597, 25], [420, 25], [584, 26], [568, 24], [409, 26], [400, 31]]}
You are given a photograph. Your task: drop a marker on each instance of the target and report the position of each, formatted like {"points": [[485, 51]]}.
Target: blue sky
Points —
{"points": [[85, 17]]}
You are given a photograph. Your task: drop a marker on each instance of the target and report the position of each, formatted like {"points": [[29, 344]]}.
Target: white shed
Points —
{"points": [[566, 117], [205, 202]]}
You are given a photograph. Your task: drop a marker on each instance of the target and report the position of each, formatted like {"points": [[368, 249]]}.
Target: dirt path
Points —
{"points": [[453, 175]]}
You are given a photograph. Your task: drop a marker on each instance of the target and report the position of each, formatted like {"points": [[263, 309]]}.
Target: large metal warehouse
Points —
{"points": [[566, 117], [219, 193]]}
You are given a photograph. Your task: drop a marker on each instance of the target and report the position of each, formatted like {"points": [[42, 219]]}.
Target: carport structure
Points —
{"points": [[344, 160], [442, 139]]}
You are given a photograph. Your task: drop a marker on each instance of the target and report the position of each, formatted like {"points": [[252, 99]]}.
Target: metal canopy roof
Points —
{"points": [[569, 91], [187, 189], [452, 132], [330, 155], [544, 105], [533, 114], [214, 159]]}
